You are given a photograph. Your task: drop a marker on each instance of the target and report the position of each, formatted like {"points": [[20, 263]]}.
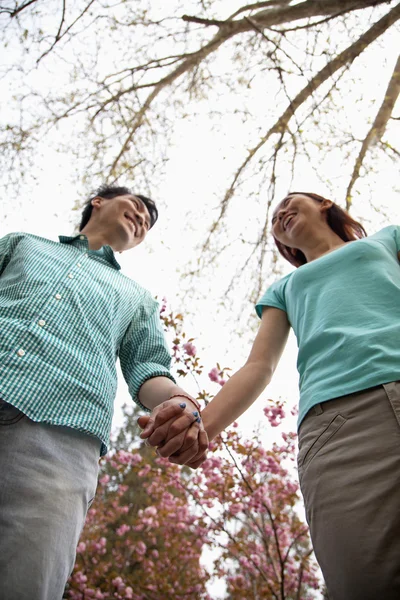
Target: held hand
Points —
{"points": [[181, 458], [183, 450], [175, 427], [170, 419]]}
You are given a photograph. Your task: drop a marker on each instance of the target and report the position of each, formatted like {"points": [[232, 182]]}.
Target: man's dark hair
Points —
{"points": [[111, 191]]}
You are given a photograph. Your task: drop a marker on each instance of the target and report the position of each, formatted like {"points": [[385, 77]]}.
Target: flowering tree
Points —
{"points": [[152, 521], [144, 545]]}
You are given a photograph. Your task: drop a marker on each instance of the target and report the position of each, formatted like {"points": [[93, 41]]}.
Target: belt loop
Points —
{"points": [[318, 410]]}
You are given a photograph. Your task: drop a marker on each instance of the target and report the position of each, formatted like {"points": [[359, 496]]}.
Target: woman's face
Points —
{"points": [[296, 216]]}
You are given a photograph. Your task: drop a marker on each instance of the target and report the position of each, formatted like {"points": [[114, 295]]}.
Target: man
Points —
{"points": [[66, 314]]}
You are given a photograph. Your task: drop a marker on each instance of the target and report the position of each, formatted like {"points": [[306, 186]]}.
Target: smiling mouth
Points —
{"points": [[130, 219], [287, 220]]}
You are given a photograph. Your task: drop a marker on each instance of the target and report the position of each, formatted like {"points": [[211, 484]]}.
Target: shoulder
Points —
{"points": [[389, 235], [274, 295], [385, 232], [144, 303], [12, 239], [18, 236], [15, 235]]}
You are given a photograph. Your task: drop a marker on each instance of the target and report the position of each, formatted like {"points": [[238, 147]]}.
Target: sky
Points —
{"points": [[200, 161]]}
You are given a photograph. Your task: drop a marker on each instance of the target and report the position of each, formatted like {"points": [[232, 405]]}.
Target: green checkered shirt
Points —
{"points": [[66, 314]]}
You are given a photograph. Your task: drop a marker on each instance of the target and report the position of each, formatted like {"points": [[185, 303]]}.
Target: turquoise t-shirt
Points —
{"points": [[344, 308]]}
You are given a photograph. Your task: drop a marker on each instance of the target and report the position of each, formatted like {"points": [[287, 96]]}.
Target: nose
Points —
{"points": [[281, 213], [138, 216]]}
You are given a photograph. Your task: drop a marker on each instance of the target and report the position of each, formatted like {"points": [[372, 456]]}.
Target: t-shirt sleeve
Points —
{"points": [[274, 296], [396, 235]]}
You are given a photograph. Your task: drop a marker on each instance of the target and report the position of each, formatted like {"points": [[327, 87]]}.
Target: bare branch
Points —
{"points": [[229, 29], [341, 60], [208, 22], [16, 11], [257, 5], [59, 36], [387, 147], [62, 21], [378, 127], [310, 8]]}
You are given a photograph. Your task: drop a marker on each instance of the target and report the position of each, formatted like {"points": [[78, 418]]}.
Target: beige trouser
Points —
{"points": [[349, 469]]}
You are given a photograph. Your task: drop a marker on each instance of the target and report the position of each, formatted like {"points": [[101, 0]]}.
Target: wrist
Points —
{"points": [[208, 426], [192, 400]]}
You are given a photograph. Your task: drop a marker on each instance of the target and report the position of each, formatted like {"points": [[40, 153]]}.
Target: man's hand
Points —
{"points": [[176, 427], [194, 463]]}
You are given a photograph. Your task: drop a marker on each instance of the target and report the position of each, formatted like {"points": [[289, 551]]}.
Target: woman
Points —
{"points": [[343, 302]]}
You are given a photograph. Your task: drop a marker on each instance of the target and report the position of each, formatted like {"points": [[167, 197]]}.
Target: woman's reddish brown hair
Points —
{"points": [[338, 220]]}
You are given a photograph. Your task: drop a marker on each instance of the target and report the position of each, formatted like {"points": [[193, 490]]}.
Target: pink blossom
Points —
{"points": [[136, 459], [143, 472], [275, 414], [104, 480], [123, 529], [214, 374], [150, 511], [141, 548], [80, 577], [190, 349]]}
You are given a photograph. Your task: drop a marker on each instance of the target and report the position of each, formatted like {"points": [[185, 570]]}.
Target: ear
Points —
{"points": [[97, 202], [326, 205]]}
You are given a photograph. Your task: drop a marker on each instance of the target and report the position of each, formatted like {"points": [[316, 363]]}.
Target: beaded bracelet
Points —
{"points": [[197, 405]]}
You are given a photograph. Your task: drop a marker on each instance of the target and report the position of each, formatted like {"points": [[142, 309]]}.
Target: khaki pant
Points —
{"points": [[349, 470]]}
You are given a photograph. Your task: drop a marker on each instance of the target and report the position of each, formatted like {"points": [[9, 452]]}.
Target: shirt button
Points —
{"points": [[41, 323], [21, 352], [57, 296], [71, 275], [78, 265], [81, 237]]}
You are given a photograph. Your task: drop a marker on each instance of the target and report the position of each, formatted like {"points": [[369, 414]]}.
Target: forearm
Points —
{"points": [[157, 390], [238, 393]]}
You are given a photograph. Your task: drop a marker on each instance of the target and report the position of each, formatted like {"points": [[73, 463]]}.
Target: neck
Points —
{"points": [[96, 238], [324, 242]]}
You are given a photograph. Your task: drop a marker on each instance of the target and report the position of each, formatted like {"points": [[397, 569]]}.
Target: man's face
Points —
{"points": [[125, 219]]}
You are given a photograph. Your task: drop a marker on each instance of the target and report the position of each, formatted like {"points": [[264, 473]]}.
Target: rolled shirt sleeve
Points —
{"points": [[4, 252], [144, 352]]}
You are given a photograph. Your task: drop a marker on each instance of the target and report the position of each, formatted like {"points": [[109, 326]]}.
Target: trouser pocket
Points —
{"points": [[9, 414], [313, 439]]}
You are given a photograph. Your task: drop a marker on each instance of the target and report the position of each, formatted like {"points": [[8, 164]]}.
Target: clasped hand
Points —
{"points": [[176, 429]]}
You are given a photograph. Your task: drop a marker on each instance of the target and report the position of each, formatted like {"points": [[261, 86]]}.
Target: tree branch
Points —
{"points": [[59, 36], [208, 22], [229, 29], [257, 5], [378, 127], [344, 58], [16, 11]]}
